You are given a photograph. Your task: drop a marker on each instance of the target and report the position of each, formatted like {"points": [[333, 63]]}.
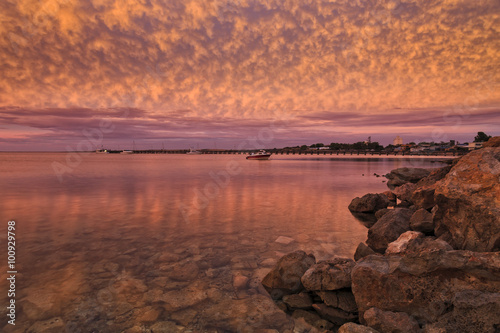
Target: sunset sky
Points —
{"points": [[215, 73]]}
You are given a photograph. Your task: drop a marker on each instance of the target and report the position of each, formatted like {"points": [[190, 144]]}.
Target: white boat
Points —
{"points": [[260, 155], [127, 152], [102, 151], [193, 152]]}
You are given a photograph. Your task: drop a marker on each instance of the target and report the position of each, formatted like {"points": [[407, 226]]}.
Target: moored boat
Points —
{"points": [[260, 155], [193, 152]]}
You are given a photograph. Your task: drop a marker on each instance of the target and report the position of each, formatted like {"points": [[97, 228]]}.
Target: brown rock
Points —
{"points": [[165, 326], [422, 221], [423, 197], [422, 284], [400, 244], [391, 196], [472, 312], [240, 281], [284, 278], [336, 316], [388, 229], [435, 176], [356, 328], [147, 314], [329, 275], [427, 244], [53, 325], [369, 203], [187, 271], [468, 200], [391, 322], [492, 142], [175, 300], [405, 191], [298, 301], [309, 316], [362, 251], [238, 315], [342, 299], [380, 213], [402, 176]]}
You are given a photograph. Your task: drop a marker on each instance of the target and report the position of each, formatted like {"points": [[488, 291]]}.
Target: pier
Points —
{"points": [[299, 152]]}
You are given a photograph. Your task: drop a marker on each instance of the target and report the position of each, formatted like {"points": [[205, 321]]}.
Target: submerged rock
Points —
{"points": [[245, 315], [356, 328], [298, 301], [53, 325]]}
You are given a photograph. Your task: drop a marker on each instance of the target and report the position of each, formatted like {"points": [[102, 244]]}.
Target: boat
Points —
{"points": [[127, 152], [193, 152], [260, 155], [102, 151]]}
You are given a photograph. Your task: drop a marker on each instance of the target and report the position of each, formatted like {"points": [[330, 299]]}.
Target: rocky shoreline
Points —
{"points": [[431, 262]]}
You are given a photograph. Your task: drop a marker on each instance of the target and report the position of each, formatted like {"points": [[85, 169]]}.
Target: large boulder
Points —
{"points": [[472, 312], [468, 201], [388, 229], [405, 175], [369, 203], [423, 284], [329, 275], [493, 142], [284, 278]]}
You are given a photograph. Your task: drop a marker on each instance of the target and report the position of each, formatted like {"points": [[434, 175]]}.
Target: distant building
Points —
{"points": [[398, 141], [475, 145]]}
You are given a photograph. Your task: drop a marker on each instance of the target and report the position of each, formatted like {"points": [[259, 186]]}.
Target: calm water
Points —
{"points": [[123, 242]]}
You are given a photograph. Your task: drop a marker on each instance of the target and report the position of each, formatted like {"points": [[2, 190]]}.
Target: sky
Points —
{"points": [[172, 74]]}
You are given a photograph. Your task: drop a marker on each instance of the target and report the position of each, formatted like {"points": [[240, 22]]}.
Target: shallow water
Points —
{"points": [[121, 242]]}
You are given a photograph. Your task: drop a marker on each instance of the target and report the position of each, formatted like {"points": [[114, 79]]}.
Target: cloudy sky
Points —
{"points": [[216, 73]]}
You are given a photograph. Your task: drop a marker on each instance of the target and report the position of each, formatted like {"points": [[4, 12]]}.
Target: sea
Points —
{"points": [[167, 242]]}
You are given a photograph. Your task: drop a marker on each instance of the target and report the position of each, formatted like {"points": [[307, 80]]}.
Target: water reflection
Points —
{"points": [[109, 248]]}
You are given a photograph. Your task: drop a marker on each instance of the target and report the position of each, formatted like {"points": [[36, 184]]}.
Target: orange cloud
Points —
{"points": [[244, 59]]}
